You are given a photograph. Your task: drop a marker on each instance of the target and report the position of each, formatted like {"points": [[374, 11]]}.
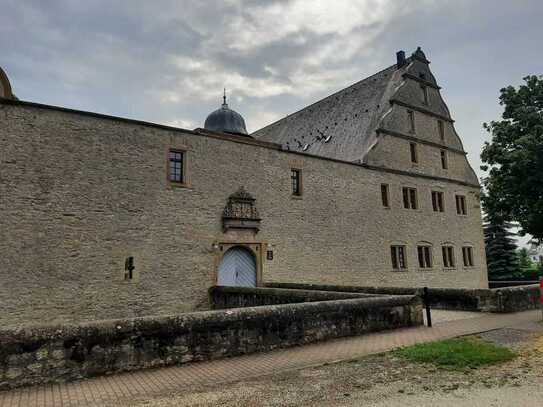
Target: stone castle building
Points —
{"points": [[105, 217]]}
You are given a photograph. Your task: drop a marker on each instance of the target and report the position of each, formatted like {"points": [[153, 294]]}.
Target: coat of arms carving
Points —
{"points": [[240, 212]]}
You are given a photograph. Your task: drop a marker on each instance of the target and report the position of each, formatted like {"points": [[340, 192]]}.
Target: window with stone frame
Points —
{"points": [[438, 201], [444, 163], [424, 255], [385, 198], [296, 181], [447, 252], [441, 130], [467, 256], [399, 261], [413, 152], [461, 205], [411, 118], [176, 167], [424, 90], [409, 198]]}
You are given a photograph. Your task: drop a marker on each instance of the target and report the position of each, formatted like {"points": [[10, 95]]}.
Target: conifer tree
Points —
{"points": [[500, 248]]}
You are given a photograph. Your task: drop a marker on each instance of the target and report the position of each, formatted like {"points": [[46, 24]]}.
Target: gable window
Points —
{"points": [[444, 164], [397, 254], [441, 129], [448, 256], [176, 169], [424, 91], [411, 117], [296, 181], [413, 151], [384, 195], [461, 204], [409, 198], [437, 201], [467, 255], [424, 254]]}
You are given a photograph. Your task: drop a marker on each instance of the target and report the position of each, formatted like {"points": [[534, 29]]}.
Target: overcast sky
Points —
{"points": [[167, 61]]}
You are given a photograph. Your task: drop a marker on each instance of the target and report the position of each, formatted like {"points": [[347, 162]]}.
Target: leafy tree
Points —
{"points": [[514, 157], [500, 248]]}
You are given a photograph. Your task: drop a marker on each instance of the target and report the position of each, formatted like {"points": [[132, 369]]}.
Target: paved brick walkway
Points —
{"points": [[121, 388]]}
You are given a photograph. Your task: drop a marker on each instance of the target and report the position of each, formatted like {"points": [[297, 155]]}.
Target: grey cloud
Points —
{"points": [[122, 57]]}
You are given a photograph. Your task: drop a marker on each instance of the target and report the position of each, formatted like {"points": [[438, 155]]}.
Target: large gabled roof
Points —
{"points": [[342, 125]]}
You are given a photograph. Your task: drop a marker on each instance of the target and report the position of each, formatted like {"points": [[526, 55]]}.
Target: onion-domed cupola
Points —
{"points": [[225, 120]]}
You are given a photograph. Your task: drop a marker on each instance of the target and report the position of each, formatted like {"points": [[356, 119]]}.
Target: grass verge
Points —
{"points": [[457, 353]]}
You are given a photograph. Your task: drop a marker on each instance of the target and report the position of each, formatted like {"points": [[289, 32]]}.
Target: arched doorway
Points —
{"points": [[237, 268]]}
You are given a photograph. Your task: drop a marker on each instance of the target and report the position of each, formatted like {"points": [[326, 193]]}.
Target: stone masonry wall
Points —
{"points": [[510, 299], [237, 297], [67, 352], [79, 193]]}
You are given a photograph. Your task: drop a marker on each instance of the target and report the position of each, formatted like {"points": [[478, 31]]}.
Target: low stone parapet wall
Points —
{"points": [[35, 355], [509, 299], [507, 283], [222, 297]]}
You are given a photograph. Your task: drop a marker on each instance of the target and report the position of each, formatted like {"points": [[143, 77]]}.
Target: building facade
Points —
{"points": [[104, 217]]}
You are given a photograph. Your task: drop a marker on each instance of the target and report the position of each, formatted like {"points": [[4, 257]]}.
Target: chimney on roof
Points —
{"points": [[400, 59]]}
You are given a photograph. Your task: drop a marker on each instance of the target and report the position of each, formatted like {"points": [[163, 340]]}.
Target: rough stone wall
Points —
{"points": [[222, 297], [60, 353], [510, 299], [79, 193]]}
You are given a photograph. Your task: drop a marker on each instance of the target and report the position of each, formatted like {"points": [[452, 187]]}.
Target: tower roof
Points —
{"points": [[225, 120]]}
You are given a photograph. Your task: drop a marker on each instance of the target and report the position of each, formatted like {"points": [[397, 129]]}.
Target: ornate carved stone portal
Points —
{"points": [[240, 212]]}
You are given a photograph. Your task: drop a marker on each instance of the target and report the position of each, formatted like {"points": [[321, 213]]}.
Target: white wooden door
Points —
{"points": [[237, 268]]}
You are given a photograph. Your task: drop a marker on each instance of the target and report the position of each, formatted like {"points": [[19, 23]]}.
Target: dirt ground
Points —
{"points": [[387, 380]]}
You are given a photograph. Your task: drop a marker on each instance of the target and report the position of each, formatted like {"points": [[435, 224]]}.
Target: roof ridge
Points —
{"points": [[325, 98]]}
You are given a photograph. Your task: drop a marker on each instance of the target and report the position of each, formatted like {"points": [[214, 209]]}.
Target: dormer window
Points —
{"points": [[422, 76]]}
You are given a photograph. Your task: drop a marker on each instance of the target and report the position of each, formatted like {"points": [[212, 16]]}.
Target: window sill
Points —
{"points": [[297, 197], [400, 270], [178, 184], [386, 207], [449, 268]]}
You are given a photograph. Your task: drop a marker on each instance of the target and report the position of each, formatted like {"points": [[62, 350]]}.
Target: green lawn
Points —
{"points": [[458, 353]]}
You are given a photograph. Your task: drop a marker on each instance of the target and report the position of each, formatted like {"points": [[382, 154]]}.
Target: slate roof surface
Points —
{"points": [[342, 125]]}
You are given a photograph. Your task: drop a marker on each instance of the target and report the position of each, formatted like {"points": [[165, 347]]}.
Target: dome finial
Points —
{"points": [[224, 98]]}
